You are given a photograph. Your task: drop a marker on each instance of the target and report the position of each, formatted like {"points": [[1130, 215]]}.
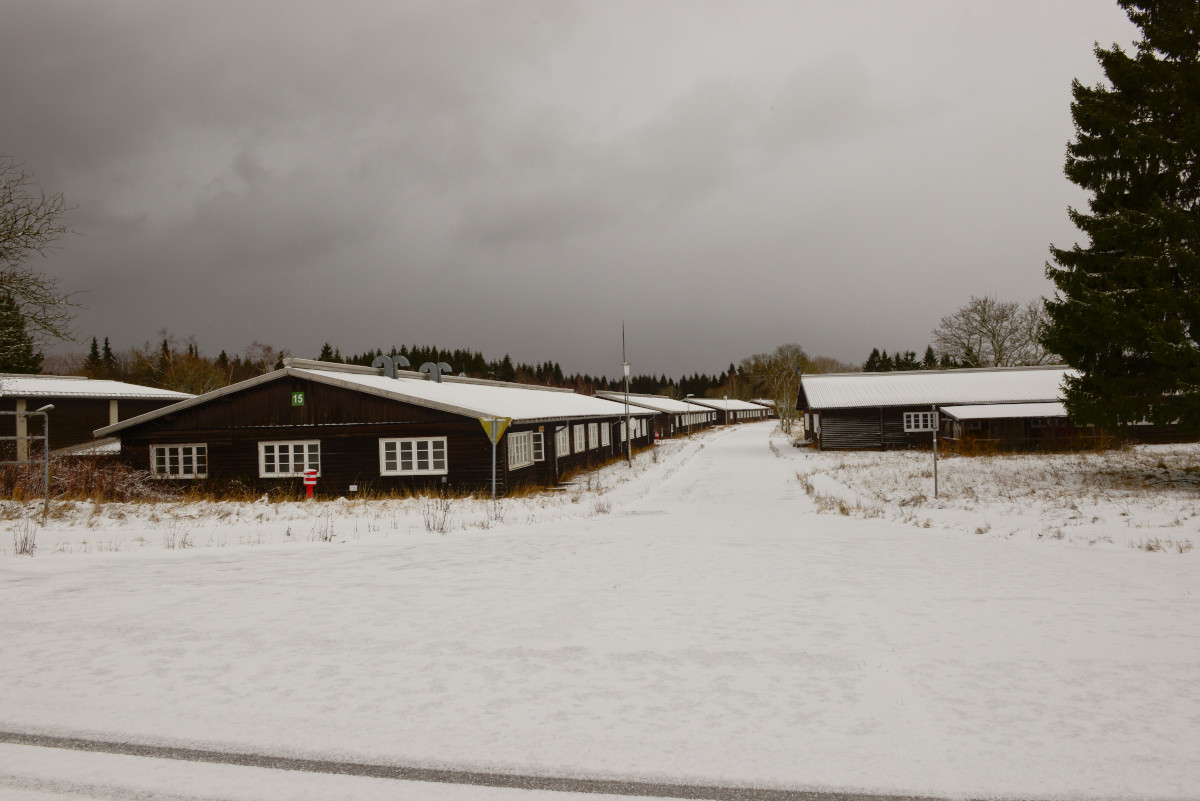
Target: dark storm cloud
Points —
{"points": [[715, 134], [725, 177]]}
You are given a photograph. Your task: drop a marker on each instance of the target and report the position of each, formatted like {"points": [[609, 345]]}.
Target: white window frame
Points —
{"points": [[197, 449], [520, 449], [917, 422], [605, 438], [274, 445], [593, 436], [623, 433], [562, 441], [580, 438], [397, 446], [539, 446]]}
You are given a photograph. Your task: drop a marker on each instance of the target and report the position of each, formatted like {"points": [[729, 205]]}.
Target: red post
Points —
{"points": [[310, 481]]}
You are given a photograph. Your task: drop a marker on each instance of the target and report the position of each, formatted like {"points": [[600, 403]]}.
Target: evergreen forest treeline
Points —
{"points": [[179, 365]]}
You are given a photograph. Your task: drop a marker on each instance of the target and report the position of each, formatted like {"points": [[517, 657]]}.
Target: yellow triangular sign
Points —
{"points": [[495, 426]]}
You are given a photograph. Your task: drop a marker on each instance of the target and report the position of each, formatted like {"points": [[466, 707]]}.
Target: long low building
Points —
{"points": [[80, 406], [1007, 422], [671, 417], [864, 411], [732, 410], [768, 404], [362, 430]]}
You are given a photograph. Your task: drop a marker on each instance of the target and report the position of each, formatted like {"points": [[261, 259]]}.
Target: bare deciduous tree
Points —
{"points": [[776, 375], [30, 223], [991, 333]]}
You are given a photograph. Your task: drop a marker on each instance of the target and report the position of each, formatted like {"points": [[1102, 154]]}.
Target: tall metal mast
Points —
{"points": [[628, 431]]}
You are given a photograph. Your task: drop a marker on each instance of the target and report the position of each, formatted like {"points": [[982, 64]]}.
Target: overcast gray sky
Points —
{"points": [[521, 176]]}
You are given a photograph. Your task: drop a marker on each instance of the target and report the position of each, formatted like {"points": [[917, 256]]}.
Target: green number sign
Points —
{"points": [[297, 398]]}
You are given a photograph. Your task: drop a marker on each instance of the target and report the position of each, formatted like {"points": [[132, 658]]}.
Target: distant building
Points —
{"points": [[769, 404], [671, 417], [81, 405], [731, 410], [875, 411]]}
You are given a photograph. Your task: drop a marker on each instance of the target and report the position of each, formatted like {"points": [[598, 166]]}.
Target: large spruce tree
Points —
{"points": [[17, 353], [1127, 311]]}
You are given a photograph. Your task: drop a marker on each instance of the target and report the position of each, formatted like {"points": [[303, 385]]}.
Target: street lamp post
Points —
{"points": [[726, 409], [628, 432], [689, 414], [45, 413]]}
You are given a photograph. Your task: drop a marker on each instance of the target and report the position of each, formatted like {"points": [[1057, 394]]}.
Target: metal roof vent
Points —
{"points": [[435, 370], [390, 363]]}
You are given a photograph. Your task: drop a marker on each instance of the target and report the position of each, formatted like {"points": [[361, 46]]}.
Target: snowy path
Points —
{"points": [[711, 629]]}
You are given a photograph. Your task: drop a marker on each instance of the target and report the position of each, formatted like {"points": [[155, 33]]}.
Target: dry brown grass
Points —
{"points": [[84, 479]]}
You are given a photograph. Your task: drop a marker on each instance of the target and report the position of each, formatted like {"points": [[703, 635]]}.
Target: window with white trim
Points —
{"points": [[562, 441], [623, 431], [179, 461], [539, 446], [520, 449], [920, 421], [288, 459], [580, 441], [593, 435], [413, 456], [604, 435]]}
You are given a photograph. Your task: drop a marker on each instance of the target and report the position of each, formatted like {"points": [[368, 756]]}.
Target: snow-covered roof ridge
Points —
{"points": [[1043, 383], [473, 398], [659, 403], [476, 397], [951, 371], [412, 375], [314, 364], [75, 386], [732, 404], [462, 379]]}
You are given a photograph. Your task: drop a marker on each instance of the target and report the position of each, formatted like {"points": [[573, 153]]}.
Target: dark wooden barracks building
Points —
{"points": [[361, 429], [80, 406]]}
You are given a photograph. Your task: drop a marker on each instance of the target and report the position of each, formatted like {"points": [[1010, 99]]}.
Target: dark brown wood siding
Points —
{"points": [[72, 420], [850, 429]]}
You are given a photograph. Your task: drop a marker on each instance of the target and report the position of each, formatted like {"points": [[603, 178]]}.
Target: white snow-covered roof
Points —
{"points": [[658, 403], [733, 404], [764, 402], [109, 446], [476, 398], [1003, 411], [72, 386], [465, 396], [941, 387]]}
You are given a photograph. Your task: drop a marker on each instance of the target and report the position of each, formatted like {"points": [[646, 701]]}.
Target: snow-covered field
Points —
{"points": [[734, 611], [1144, 497]]}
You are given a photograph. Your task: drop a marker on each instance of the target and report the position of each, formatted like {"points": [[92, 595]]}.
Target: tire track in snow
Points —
{"points": [[564, 784]]}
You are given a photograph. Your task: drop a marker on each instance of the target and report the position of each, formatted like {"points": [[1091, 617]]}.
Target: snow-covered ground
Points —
{"points": [[735, 611], [1143, 497]]}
